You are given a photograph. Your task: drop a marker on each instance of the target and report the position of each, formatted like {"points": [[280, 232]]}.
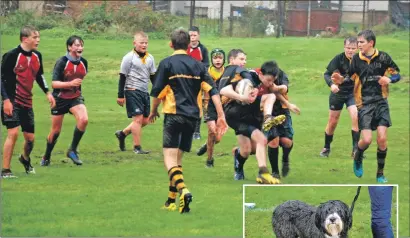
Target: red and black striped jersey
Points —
{"points": [[19, 69], [66, 71]]}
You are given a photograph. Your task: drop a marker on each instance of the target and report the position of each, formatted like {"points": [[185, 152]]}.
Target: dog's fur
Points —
{"points": [[296, 219]]}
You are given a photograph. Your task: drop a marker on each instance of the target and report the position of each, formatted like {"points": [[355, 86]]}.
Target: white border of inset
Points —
{"points": [[319, 185]]}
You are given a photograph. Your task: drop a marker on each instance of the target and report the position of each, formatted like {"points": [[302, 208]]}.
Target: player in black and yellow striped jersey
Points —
{"points": [[178, 84], [210, 116], [372, 71]]}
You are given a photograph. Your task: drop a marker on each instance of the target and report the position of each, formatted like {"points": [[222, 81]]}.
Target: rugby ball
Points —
{"points": [[244, 87]]}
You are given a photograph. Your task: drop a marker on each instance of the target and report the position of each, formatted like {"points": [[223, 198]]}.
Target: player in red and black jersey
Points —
{"points": [[372, 71], [68, 75], [281, 135], [243, 115], [20, 67], [199, 52]]}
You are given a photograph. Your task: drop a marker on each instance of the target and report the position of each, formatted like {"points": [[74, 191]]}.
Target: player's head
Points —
{"points": [[237, 57], [140, 41], [350, 46], [269, 72], [180, 39], [75, 46], [366, 41], [194, 35], [218, 57], [30, 37]]}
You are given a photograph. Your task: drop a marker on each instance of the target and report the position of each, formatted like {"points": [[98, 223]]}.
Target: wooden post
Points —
{"points": [[221, 18], [308, 20], [231, 22]]}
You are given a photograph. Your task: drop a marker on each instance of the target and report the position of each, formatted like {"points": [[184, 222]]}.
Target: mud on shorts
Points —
{"points": [[244, 119], [178, 131], [21, 116]]}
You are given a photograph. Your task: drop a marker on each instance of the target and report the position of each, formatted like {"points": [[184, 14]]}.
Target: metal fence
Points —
{"points": [[261, 18]]}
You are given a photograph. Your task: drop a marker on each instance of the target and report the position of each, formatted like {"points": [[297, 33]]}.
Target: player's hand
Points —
{"points": [[221, 127], [8, 107], [384, 80], [293, 108], [337, 78], [153, 116], [120, 101], [51, 100], [76, 82], [334, 88]]}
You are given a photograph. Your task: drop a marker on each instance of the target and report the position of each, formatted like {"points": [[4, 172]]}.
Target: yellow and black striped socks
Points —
{"points": [[176, 180]]}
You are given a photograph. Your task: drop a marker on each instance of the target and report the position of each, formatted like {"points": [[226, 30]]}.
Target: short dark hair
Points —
{"points": [[26, 31], [180, 39], [234, 53], [194, 28], [72, 39], [351, 39], [270, 68], [368, 35]]}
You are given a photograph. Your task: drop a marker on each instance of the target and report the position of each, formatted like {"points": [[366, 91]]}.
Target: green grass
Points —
{"points": [[258, 221], [119, 194]]}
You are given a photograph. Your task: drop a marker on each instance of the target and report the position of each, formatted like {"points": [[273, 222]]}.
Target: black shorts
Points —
{"points": [[22, 116], [178, 131], [137, 103], [373, 115], [285, 129], [211, 114], [63, 106], [244, 119], [336, 101]]}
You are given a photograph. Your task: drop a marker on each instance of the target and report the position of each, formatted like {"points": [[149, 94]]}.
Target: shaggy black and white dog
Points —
{"points": [[296, 219]]}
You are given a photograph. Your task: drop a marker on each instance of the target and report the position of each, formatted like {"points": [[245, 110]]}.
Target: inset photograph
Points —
{"points": [[320, 211]]}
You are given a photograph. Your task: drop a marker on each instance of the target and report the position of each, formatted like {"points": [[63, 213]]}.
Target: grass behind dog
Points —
{"points": [[120, 194], [258, 221]]}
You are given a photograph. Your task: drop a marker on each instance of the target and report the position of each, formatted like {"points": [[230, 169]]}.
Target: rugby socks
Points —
{"points": [[28, 147], [355, 138], [122, 134], [76, 138], [285, 153], [381, 157], [359, 153], [176, 178], [50, 145], [273, 154], [328, 140], [241, 160], [172, 194]]}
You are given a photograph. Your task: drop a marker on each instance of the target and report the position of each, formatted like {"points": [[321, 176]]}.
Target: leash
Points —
{"points": [[355, 199]]}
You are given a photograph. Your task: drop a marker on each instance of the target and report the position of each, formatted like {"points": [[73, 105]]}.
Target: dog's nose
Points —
{"points": [[332, 219]]}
